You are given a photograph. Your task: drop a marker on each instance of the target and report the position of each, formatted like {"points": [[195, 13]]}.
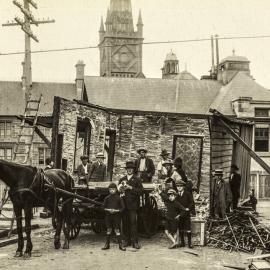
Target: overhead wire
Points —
{"points": [[135, 44]]}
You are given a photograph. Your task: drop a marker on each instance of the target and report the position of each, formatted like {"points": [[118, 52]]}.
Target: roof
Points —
{"points": [[234, 58], [242, 85], [12, 97], [185, 75], [157, 95]]}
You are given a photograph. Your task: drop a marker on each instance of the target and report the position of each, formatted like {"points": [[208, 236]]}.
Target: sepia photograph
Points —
{"points": [[134, 134]]}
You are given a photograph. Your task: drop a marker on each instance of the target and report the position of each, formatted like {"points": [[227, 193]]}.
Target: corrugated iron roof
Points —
{"points": [[12, 98], [188, 96], [242, 85]]}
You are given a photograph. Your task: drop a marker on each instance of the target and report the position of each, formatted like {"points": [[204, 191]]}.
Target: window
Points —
{"points": [[261, 139], [5, 129], [43, 153], [6, 153], [259, 112]]}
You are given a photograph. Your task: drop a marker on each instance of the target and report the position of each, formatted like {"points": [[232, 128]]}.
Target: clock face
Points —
{"points": [[123, 57]]}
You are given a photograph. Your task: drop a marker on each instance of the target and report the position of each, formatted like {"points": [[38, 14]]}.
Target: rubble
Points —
{"points": [[239, 231]]}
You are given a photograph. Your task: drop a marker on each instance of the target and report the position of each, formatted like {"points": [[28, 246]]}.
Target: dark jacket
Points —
{"points": [[97, 172], [174, 208], [235, 183], [186, 199], [221, 195], [80, 170], [114, 201], [147, 175], [132, 196]]}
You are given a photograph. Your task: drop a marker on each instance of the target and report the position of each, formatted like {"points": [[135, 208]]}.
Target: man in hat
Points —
{"points": [[235, 183], [145, 168], [83, 170], [162, 170], [98, 169], [131, 187], [185, 198], [221, 195]]}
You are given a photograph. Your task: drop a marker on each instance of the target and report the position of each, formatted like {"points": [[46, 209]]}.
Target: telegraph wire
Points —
{"points": [[136, 44]]}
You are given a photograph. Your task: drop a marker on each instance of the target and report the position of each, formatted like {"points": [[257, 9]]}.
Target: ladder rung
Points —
{"points": [[27, 126], [31, 109], [34, 101], [21, 153], [6, 218]]}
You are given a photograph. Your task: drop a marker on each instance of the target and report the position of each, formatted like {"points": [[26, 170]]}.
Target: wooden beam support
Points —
{"points": [[43, 137]]}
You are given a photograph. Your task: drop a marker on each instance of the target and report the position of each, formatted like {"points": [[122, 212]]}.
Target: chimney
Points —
{"points": [[217, 50], [212, 56], [80, 79]]}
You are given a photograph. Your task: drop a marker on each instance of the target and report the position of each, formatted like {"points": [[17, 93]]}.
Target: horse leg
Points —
{"points": [[67, 212], [18, 215], [29, 245], [59, 221]]}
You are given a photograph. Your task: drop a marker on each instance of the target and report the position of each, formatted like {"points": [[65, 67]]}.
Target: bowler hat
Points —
{"points": [[167, 162], [141, 149], [180, 183], [112, 185], [171, 191], [100, 155], [218, 172], [130, 165], [164, 152], [84, 157]]}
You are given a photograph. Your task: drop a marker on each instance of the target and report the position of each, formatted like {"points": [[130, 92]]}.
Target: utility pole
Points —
{"points": [[26, 27]]}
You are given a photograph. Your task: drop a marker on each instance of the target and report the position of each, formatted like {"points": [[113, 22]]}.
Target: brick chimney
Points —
{"points": [[80, 79]]}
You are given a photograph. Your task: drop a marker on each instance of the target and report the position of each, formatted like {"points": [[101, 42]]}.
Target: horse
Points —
{"points": [[28, 188]]}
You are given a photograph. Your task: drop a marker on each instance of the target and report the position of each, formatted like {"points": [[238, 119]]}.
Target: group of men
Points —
{"points": [[225, 195]]}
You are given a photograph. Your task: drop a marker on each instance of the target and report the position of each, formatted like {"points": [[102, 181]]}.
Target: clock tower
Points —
{"points": [[120, 45]]}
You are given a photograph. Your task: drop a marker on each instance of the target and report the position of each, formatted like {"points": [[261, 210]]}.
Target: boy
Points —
{"points": [[113, 206], [174, 211], [186, 200]]}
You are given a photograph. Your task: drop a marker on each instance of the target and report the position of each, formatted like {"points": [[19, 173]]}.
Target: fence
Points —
{"points": [[260, 182]]}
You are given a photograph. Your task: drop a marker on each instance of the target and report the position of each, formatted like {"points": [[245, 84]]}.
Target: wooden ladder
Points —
{"points": [[22, 154]]}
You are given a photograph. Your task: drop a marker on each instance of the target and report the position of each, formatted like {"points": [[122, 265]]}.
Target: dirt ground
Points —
{"points": [[85, 253]]}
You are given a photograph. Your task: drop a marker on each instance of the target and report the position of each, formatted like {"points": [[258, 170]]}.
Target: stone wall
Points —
{"points": [[155, 132]]}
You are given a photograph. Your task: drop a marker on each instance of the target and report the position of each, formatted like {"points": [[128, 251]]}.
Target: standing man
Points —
{"points": [[98, 169], [221, 195], [131, 188], [162, 171], [83, 170], [235, 183], [145, 167]]}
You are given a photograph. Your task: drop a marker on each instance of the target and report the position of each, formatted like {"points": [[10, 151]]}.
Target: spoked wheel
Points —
{"points": [[75, 223], [150, 216]]}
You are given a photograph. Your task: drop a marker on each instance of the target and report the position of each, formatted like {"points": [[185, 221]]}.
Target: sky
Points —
{"points": [[77, 24]]}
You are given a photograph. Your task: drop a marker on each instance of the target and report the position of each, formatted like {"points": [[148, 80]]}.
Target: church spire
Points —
{"points": [[101, 29], [140, 22]]}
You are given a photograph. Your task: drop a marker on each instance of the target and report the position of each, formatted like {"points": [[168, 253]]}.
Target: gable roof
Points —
{"points": [[242, 85], [12, 101], [157, 95]]}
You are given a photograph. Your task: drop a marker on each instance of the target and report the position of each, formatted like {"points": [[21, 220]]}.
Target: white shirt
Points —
{"points": [[129, 176], [142, 165], [85, 168], [176, 176], [161, 168]]}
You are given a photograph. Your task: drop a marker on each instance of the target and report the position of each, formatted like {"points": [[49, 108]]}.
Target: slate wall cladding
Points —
{"points": [[155, 132]]}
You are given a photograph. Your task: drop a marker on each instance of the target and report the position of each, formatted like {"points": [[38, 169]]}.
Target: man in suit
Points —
{"points": [[145, 168], [221, 195], [162, 170], [235, 183], [83, 170], [98, 170], [131, 188]]}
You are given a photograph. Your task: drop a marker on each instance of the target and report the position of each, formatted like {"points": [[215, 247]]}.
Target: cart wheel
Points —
{"points": [[75, 224], [96, 227], [150, 216]]}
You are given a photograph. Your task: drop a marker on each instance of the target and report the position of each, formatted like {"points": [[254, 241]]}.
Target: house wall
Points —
{"points": [[155, 132]]}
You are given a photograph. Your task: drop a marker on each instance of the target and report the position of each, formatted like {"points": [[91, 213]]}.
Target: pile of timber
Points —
{"points": [[240, 231]]}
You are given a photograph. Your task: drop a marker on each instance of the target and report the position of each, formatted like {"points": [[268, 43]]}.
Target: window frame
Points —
{"points": [[6, 148], [262, 127], [5, 131]]}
